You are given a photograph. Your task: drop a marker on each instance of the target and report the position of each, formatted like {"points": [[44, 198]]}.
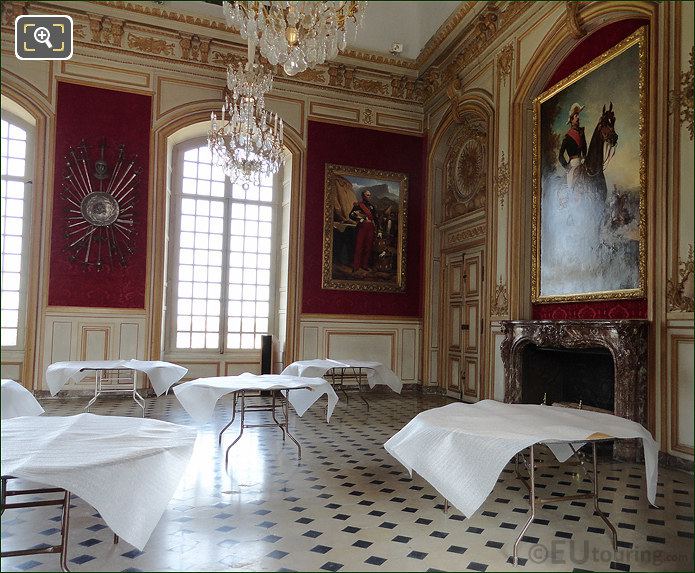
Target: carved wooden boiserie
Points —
{"points": [[626, 340]]}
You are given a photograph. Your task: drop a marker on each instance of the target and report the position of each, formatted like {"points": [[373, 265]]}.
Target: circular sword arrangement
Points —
{"points": [[100, 207]]}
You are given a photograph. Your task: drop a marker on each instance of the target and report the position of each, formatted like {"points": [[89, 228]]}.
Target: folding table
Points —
{"points": [[461, 449], [109, 376], [198, 397]]}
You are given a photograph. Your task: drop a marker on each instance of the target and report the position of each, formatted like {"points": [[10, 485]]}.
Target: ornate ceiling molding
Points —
{"points": [[443, 32], [177, 48], [492, 23]]}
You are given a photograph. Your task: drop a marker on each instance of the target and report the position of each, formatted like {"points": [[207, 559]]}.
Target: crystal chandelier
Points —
{"points": [[247, 140], [298, 35]]}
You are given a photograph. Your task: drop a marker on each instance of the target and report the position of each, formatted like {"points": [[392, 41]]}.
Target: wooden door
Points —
{"points": [[461, 324]]}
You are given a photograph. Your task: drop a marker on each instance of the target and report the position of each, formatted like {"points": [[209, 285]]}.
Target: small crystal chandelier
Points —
{"points": [[247, 140], [298, 35]]}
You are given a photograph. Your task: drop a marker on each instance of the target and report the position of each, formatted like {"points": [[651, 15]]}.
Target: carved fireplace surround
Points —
{"points": [[626, 340]]}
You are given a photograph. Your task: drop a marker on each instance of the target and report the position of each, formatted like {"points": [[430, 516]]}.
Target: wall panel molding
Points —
{"points": [[393, 342]]}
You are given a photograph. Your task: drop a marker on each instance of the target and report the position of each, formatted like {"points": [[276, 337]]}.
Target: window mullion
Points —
{"points": [[224, 303]]}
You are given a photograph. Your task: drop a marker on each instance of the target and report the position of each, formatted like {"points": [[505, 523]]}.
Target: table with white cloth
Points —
{"points": [[461, 449], [126, 468], [198, 397], [337, 372], [16, 401], [115, 376]]}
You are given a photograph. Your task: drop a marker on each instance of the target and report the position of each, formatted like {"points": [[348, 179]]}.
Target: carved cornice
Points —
{"points": [[443, 32], [150, 45], [679, 290], [150, 42], [491, 24]]}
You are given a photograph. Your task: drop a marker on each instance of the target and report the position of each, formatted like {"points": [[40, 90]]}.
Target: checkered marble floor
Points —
{"points": [[348, 506]]}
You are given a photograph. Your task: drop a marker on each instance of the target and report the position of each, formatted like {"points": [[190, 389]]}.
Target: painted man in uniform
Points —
{"points": [[573, 145], [364, 213]]}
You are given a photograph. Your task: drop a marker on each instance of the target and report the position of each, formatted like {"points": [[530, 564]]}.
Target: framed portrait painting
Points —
{"points": [[589, 165], [364, 229]]}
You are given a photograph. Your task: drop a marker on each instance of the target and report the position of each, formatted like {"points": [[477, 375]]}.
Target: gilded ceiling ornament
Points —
{"points": [[150, 45], [572, 20], [370, 86], [679, 292], [194, 48], [105, 30], [367, 116]]}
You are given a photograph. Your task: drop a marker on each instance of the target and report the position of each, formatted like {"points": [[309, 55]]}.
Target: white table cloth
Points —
{"points": [[377, 373], [461, 449], [198, 397], [16, 401], [162, 375], [126, 468]]}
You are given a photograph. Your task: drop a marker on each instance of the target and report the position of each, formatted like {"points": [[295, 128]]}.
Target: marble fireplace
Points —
{"points": [[602, 363]]}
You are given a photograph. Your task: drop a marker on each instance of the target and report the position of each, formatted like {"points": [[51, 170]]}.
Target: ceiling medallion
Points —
{"points": [[296, 35], [100, 204]]}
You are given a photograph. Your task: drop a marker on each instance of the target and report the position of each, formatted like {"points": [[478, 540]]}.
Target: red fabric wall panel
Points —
{"points": [[90, 113], [591, 47], [371, 149]]}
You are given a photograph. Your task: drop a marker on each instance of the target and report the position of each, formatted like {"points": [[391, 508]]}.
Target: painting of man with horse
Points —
{"points": [[589, 186]]}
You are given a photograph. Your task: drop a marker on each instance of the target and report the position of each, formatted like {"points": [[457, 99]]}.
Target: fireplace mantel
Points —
{"points": [[626, 340]]}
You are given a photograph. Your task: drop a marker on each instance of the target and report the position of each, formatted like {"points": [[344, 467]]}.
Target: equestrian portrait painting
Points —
{"points": [[589, 155], [364, 229]]}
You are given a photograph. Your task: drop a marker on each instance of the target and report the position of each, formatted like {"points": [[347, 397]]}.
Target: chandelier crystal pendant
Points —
{"points": [[246, 142], [297, 35]]}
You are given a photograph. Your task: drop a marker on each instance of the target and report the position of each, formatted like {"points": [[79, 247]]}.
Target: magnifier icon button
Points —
{"points": [[43, 36]]}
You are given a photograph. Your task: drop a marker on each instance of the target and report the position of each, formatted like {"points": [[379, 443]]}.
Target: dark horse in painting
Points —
{"points": [[589, 177]]}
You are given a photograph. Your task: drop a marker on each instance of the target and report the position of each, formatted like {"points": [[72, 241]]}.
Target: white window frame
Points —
{"points": [[171, 291], [29, 174]]}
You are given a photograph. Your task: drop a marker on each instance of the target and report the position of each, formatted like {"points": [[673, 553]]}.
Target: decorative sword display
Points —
{"points": [[100, 228]]}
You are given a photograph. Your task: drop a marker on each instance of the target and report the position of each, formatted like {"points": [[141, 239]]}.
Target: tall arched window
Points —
{"points": [[17, 159], [221, 256]]}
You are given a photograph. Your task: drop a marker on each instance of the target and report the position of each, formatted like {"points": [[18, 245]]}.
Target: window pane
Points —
{"points": [[13, 152], [225, 232]]}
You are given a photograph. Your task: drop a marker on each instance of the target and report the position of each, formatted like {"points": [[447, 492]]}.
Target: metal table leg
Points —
{"points": [[99, 389], [530, 483], [359, 373], [62, 549], [531, 499], [282, 423], [285, 403]]}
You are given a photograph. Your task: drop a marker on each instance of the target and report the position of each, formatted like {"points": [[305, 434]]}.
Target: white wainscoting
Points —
{"points": [[91, 334], [395, 342]]}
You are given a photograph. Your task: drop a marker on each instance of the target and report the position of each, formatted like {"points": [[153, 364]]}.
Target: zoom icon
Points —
{"points": [[43, 37]]}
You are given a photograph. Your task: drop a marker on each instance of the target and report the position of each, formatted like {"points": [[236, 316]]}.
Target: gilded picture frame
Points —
{"points": [[589, 221], [364, 229]]}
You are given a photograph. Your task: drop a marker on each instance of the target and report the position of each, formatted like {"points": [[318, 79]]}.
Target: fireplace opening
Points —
{"points": [[568, 376]]}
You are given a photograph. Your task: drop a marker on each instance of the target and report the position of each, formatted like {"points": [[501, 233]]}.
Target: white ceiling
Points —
{"points": [[409, 23]]}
